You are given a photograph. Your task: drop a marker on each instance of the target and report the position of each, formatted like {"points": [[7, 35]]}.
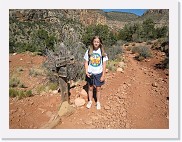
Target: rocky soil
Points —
{"points": [[136, 97]]}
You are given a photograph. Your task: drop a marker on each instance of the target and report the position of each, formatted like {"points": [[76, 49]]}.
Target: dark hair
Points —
{"points": [[101, 46]]}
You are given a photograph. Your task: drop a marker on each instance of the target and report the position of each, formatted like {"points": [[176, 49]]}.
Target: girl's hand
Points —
{"points": [[102, 78], [88, 74]]}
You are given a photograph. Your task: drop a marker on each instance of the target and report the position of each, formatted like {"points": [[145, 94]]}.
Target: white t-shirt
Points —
{"points": [[95, 62]]}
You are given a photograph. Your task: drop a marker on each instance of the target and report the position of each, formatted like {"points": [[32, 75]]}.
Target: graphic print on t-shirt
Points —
{"points": [[95, 60]]}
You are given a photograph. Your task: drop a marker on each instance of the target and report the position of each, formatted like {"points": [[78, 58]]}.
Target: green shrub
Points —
{"points": [[40, 89], [32, 72], [101, 30], [36, 72], [119, 58], [53, 86], [166, 63], [155, 45], [19, 93], [13, 92], [24, 94], [28, 93], [14, 82], [135, 49], [113, 51], [162, 31], [47, 87], [149, 42], [145, 52], [120, 42], [111, 65], [161, 40]]}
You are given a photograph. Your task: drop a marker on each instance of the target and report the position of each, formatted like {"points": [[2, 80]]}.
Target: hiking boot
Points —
{"points": [[98, 105], [89, 104]]}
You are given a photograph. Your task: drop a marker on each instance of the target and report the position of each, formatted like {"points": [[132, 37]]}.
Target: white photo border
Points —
{"points": [[171, 133]]}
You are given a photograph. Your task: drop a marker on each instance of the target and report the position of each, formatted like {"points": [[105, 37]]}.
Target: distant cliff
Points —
{"points": [[159, 16], [115, 20], [85, 17]]}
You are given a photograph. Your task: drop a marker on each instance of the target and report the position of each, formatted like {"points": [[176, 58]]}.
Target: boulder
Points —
{"points": [[119, 70], [83, 93], [55, 91], [79, 102]]}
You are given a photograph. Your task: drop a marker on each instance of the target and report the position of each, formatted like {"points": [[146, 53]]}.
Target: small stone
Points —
{"points": [[106, 107], [154, 84], [119, 70], [55, 91]]}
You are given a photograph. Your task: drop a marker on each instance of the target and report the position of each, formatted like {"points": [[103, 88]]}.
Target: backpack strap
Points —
{"points": [[102, 56], [88, 55]]}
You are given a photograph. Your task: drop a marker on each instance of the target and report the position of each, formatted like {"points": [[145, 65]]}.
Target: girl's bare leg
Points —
{"points": [[90, 92], [98, 93]]}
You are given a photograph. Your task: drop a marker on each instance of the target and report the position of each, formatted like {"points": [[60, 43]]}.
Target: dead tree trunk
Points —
{"points": [[63, 89], [58, 63]]}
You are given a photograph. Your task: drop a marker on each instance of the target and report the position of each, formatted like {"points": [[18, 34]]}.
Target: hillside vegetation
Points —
{"points": [[71, 31], [136, 91]]}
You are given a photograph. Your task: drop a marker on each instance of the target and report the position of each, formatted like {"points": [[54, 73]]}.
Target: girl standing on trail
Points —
{"points": [[95, 66]]}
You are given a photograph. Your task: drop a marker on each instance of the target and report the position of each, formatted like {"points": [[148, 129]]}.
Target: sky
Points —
{"points": [[138, 12]]}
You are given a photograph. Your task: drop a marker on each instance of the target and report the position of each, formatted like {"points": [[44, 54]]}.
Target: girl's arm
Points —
{"points": [[104, 68], [86, 68], [103, 72]]}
